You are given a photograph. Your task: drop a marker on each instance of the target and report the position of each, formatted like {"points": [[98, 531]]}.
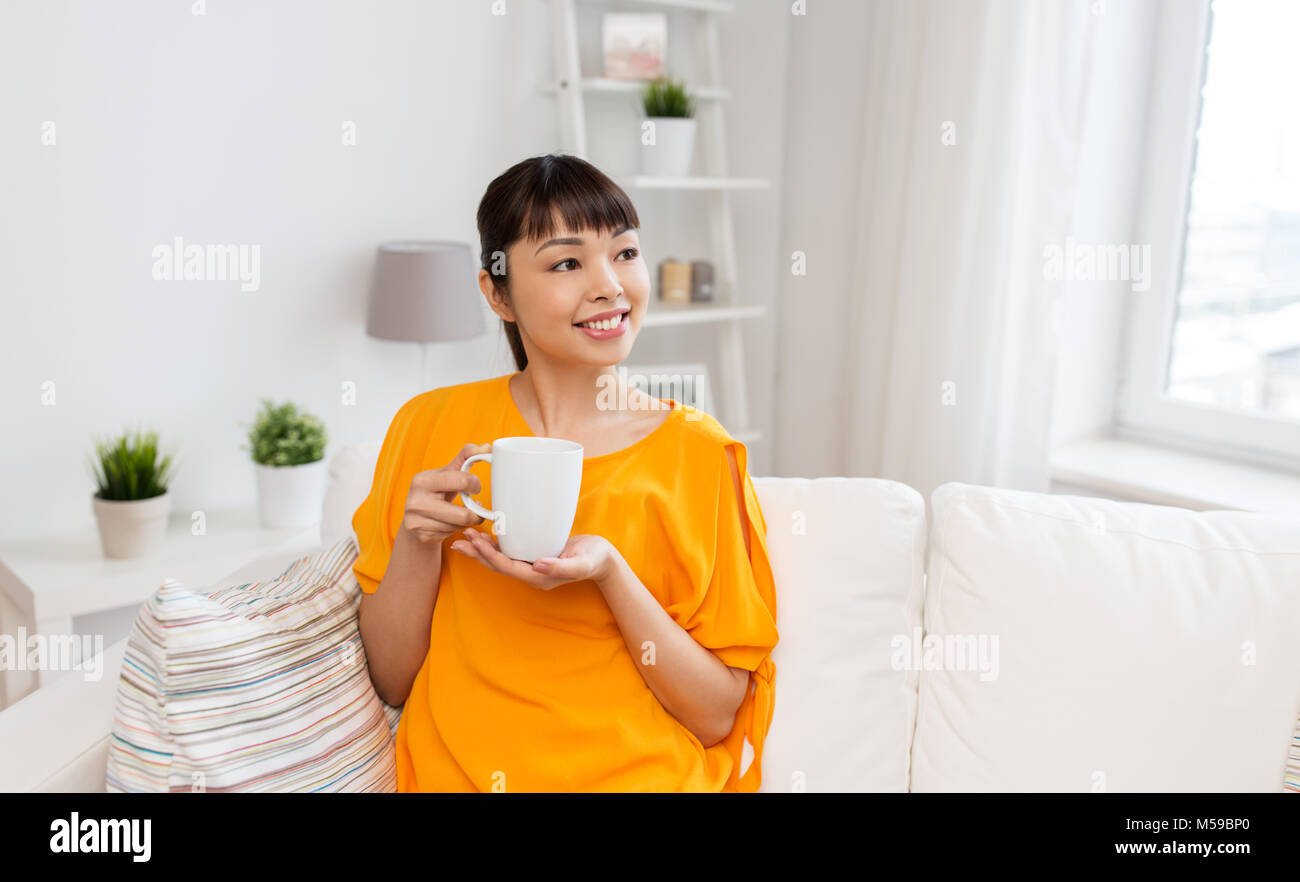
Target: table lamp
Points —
{"points": [[425, 292]]}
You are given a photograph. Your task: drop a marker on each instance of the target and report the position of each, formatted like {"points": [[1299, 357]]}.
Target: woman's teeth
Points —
{"points": [[606, 325]]}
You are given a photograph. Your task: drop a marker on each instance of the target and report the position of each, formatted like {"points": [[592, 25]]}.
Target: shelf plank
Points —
{"points": [[661, 314], [611, 86]]}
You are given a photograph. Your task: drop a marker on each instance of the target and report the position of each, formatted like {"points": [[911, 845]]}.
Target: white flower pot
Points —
{"points": [[291, 496], [670, 154], [131, 527]]}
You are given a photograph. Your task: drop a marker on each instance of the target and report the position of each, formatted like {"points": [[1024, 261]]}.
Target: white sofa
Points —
{"points": [[1126, 647]]}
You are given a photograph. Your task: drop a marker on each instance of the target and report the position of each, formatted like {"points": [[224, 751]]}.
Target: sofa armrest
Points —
{"points": [[56, 738]]}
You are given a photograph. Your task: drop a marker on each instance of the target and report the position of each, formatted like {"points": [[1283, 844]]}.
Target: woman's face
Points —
{"points": [[569, 278]]}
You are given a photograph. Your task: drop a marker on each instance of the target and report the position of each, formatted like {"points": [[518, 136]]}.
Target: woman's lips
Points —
{"points": [[617, 331]]}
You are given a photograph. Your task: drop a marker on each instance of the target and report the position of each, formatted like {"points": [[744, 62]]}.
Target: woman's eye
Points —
{"points": [[621, 253]]}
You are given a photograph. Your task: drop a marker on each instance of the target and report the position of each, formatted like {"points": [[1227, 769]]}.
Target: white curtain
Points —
{"points": [[954, 323]]}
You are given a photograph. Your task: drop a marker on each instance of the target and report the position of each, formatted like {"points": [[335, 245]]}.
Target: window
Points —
{"points": [[1214, 344]]}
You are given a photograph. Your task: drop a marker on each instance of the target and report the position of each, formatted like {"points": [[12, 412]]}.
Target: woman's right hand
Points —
{"points": [[431, 515]]}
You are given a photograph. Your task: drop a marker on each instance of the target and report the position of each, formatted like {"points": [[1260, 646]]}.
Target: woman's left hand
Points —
{"points": [[584, 557]]}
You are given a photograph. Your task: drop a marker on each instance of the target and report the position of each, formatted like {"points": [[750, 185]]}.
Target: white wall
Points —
{"points": [[226, 128]]}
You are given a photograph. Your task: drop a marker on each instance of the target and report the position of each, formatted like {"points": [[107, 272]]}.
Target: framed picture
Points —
{"points": [[687, 383], [634, 44]]}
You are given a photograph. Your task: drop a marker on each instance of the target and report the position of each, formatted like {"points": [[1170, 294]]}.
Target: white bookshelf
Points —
{"points": [[709, 191]]}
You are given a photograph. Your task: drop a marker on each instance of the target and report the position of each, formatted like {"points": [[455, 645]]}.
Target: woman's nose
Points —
{"points": [[608, 287]]}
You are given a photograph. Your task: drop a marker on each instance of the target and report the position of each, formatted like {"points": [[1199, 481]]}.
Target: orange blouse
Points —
{"points": [[529, 690]]}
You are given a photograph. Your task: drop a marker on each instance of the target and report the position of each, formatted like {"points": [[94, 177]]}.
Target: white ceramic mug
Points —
{"points": [[535, 487]]}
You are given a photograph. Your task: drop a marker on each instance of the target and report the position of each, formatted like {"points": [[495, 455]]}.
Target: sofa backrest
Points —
{"points": [[351, 472], [1137, 647]]}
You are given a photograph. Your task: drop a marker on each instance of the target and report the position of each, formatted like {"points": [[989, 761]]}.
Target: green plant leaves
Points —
{"points": [[283, 436], [129, 467], [667, 97]]}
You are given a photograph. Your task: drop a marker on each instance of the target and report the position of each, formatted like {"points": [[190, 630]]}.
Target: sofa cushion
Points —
{"points": [[847, 556], [259, 686], [1128, 647]]}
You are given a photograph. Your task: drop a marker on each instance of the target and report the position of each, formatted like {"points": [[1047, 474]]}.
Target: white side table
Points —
{"points": [[47, 583]]}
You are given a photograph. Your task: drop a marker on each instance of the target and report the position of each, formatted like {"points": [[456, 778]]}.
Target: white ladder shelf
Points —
{"points": [[727, 311]]}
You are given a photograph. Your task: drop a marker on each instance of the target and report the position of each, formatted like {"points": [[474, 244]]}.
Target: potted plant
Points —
{"points": [[667, 144], [132, 503], [288, 450]]}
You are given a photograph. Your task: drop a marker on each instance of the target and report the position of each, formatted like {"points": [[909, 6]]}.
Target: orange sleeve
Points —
{"points": [[379, 516], [736, 612], [732, 610]]}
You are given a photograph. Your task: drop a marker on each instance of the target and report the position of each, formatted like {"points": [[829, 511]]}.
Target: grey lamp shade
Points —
{"points": [[425, 292]]}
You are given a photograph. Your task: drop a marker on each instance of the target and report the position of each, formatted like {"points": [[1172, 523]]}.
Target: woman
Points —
{"points": [[639, 658]]}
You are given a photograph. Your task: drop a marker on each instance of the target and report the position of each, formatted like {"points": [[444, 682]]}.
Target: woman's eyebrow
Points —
{"points": [[574, 240]]}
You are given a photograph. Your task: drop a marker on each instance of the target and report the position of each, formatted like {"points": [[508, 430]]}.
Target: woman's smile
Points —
{"points": [[607, 329]]}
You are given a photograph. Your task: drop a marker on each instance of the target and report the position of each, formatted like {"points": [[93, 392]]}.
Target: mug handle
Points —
{"points": [[469, 501]]}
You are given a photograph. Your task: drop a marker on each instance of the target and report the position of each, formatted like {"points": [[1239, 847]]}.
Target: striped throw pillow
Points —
{"points": [[253, 687]]}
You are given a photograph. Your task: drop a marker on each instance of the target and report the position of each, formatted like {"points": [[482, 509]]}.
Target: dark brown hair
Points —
{"points": [[524, 202]]}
